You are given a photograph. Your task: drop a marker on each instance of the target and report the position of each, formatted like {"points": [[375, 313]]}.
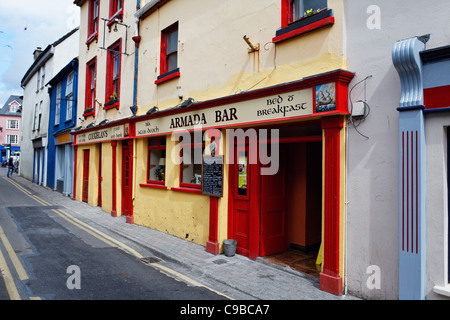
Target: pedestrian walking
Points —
{"points": [[10, 166]]}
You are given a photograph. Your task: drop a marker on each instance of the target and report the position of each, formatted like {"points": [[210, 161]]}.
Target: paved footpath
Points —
{"points": [[245, 278]]}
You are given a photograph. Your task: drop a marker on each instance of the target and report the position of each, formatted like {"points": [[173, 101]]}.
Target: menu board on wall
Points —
{"points": [[212, 175]]}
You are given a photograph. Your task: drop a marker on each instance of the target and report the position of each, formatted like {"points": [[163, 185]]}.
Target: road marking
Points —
{"points": [[115, 243], [13, 256], [9, 281]]}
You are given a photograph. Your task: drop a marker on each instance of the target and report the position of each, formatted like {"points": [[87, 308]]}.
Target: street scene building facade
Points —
{"points": [[316, 126]]}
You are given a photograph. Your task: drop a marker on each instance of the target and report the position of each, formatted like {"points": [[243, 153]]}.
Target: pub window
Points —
{"points": [[191, 161], [156, 160]]}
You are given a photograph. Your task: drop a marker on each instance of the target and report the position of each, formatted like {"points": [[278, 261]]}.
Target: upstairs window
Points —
{"points": [[69, 96], [298, 9], [115, 8], [113, 75], [58, 103], [93, 18], [169, 54], [91, 79], [12, 124], [299, 17]]}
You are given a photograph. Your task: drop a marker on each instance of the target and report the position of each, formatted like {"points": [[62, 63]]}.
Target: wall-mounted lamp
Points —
{"points": [[99, 103], [252, 47], [81, 118], [90, 125], [153, 110], [187, 103], [133, 110], [103, 122]]}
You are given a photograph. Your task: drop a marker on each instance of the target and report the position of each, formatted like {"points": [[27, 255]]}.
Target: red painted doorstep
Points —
{"points": [[331, 284]]}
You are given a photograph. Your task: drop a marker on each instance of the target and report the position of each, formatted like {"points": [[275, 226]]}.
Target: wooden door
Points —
{"points": [[273, 212], [127, 179], [85, 193]]}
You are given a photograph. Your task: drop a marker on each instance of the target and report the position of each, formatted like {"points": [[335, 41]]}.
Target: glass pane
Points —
{"points": [[157, 165], [242, 173], [172, 61], [314, 4], [172, 42], [192, 171]]}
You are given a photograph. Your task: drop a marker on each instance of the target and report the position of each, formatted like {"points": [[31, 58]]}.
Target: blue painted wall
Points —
{"points": [[64, 124]]}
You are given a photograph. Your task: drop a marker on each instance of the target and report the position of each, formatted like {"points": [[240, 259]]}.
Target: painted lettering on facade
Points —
{"points": [[274, 108]]}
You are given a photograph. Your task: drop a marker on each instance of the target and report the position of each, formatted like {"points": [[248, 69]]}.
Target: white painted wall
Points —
{"points": [[372, 215], [64, 52]]}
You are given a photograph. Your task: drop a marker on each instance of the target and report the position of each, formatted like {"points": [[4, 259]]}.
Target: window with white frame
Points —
{"points": [[12, 124], [69, 96], [36, 112], [58, 103], [12, 139], [43, 77], [38, 85]]}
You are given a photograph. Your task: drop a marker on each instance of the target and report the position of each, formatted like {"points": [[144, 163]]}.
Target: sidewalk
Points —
{"points": [[255, 279]]}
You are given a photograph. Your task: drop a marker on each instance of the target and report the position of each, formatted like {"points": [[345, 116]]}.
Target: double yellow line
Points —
{"points": [[99, 235]]}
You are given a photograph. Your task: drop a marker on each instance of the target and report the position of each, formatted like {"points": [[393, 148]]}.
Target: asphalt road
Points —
{"points": [[46, 257]]}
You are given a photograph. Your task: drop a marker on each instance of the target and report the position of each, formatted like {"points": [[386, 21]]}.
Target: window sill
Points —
{"points": [[118, 15], [91, 38], [187, 190], [153, 185], [442, 290], [168, 76], [89, 113], [305, 25], [111, 105]]}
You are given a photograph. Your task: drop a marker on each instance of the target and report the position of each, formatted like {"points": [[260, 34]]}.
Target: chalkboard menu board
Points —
{"points": [[212, 176]]}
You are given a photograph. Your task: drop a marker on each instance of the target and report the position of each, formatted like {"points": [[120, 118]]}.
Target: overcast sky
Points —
{"points": [[24, 26]]}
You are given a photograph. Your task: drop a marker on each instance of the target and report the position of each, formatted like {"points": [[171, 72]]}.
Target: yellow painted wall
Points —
{"points": [[213, 57]]}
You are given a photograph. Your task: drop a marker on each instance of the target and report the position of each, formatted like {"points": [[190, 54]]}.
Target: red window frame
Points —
{"points": [[112, 75], [91, 86], [192, 144], [93, 20], [165, 54], [157, 146], [116, 8]]}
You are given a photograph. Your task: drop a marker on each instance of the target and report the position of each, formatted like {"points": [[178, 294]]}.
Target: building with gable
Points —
{"points": [[10, 126]]}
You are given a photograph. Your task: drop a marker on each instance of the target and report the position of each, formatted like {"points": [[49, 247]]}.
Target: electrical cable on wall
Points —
{"points": [[356, 120]]}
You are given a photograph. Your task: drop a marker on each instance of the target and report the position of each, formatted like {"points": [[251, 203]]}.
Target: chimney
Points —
{"points": [[37, 52]]}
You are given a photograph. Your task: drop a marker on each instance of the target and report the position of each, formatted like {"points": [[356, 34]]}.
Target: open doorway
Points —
{"points": [[302, 186], [279, 217]]}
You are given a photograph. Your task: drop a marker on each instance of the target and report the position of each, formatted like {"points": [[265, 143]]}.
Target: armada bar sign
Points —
{"points": [[272, 108]]}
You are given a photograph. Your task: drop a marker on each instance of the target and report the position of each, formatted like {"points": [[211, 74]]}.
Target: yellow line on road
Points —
{"points": [[115, 243], [13, 256], [9, 281]]}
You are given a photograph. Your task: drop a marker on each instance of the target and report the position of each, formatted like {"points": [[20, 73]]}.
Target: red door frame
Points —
{"points": [[100, 178], [127, 195], [85, 181]]}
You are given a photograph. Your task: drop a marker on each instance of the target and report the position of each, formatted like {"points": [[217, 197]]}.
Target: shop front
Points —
{"points": [[281, 183]]}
